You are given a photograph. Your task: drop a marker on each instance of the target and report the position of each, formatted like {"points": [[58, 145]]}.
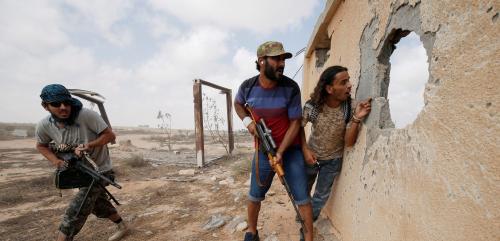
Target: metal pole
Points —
{"points": [[230, 120]]}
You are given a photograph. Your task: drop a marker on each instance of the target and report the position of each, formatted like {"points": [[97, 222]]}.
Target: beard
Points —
{"points": [[273, 74], [70, 120]]}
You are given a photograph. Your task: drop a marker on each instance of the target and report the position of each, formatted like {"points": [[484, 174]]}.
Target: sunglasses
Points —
{"points": [[57, 104]]}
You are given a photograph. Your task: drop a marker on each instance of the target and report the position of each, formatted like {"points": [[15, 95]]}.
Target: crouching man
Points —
{"points": [[70, 124]]}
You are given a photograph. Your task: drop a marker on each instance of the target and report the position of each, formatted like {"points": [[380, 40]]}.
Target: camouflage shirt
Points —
{"points": [[327, 132]]}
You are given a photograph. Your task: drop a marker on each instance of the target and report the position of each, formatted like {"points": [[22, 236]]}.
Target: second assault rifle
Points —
{"points": [[80, 172], [269, 146]]}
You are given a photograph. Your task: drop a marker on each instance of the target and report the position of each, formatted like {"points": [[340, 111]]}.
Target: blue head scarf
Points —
{"points": [[58, 93]]}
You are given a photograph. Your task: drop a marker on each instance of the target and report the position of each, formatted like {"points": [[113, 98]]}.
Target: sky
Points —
{"points": [[141, 55]]}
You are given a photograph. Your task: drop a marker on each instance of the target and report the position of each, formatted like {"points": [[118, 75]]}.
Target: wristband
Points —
{"points": [[355, 119], [247, 121]]}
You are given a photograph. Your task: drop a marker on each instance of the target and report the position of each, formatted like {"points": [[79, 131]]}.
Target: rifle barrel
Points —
{"points": [[96, 175], [289, 192]]}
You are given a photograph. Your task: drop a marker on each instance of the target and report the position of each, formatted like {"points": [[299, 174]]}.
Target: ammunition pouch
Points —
{"points": [[71, 178]]}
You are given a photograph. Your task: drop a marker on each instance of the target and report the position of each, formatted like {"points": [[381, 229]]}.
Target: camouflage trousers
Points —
{"points": [[97, 203]]}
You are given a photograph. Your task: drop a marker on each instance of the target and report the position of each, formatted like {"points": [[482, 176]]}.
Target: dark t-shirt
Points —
{"points": [[278, 105]]}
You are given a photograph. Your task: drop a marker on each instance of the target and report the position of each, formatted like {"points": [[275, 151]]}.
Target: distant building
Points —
{"points": [[20, 133]]}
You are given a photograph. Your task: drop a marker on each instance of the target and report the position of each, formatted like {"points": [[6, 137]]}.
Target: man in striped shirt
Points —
{"points": [[276, 98]]}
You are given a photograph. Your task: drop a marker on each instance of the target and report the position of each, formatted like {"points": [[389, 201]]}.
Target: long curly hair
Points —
{"points": [[318, 97]]}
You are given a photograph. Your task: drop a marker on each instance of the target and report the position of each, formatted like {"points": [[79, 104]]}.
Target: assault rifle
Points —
{"points": [[78, 174], [267, 141]]}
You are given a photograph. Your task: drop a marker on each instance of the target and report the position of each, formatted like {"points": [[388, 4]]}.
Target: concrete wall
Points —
{"points": [[438, 178]]}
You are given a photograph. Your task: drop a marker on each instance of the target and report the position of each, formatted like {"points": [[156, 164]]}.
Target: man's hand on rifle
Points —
{"points": [[278, 159], [252, 129], [80, 149]]}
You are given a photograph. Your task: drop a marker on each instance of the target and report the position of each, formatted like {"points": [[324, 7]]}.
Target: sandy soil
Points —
{"points": [[156, 200]]}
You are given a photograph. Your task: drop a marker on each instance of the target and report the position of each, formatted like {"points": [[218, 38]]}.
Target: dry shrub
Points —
{"points": [[156, 138], [4, 134], [136, 161], [26, 190], [241, 165], [11, 198]]}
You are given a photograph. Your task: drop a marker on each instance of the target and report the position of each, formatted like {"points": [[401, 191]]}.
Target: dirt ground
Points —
{"points": [[157, 201]]}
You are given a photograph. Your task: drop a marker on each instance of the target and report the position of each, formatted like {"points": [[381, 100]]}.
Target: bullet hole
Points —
{"points": [[488, 104], [489, 9], [495, 17]]}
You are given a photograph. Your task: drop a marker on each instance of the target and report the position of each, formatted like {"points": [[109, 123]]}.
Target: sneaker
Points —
{"points": [[252, 237], [123, 230]]}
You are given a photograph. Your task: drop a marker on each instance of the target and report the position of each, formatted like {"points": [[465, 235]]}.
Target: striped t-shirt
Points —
{"points": [[277, 105]]}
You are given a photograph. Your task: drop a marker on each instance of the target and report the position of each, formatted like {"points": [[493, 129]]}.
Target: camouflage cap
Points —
{"points": [[272, 48]]}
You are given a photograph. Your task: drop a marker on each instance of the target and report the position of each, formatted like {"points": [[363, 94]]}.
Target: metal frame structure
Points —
{"points": [[198, 118], [95, 98]]}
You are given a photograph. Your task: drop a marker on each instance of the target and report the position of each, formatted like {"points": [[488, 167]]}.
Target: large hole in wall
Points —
{"points": [[375, 71], [409, 72]]}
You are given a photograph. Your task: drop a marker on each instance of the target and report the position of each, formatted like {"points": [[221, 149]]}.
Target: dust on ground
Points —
{"points": [[162, 199]]}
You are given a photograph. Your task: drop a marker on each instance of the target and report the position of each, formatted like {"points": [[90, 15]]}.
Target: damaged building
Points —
{"points": [[439, 177]]}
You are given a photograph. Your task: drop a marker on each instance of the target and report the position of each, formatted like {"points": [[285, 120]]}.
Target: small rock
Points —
{"points": [[215, 221], [213, 179], [280, 202], [227, 181], [149, 233], [187, 172], [177, 152], [247, 183], [271, 238], [214, 235], [242, 226], [231, 226], [129, 218], [271, 193], [238, 196]]}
